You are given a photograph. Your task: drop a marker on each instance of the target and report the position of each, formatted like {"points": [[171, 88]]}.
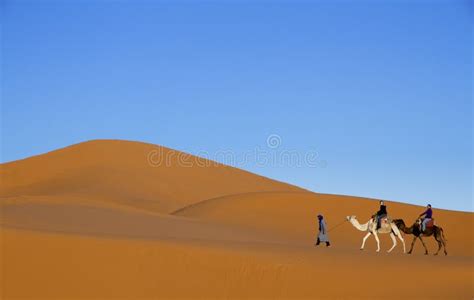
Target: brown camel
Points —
{"points": [[435, 231]]}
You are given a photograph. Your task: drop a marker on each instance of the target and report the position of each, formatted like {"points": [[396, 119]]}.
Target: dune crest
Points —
{"points": [[136, 174]]}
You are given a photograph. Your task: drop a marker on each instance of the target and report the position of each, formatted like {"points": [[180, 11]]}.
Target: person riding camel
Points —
{"points": [[381, 214], [428, 215]]}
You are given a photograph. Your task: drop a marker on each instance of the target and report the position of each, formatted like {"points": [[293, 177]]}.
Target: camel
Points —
{"points": [[371, 226], [435, 231]]}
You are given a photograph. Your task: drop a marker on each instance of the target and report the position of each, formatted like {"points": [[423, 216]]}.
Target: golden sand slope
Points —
{"points": [[134, 174], [291, 215], [82, 222], [41, 265]]}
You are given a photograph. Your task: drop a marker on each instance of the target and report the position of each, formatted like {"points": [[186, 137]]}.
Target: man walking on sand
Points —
{"points": [[323, 234]]}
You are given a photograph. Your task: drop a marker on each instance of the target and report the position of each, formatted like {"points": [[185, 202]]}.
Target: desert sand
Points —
{"points": [[102, 219]]}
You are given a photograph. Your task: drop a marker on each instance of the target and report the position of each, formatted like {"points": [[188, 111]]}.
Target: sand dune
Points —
{"points": [[135, 174], [292, 215], [96, 220]]}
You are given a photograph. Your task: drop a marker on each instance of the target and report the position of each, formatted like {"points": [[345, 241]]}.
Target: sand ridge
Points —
{"points": [[95, 220]]}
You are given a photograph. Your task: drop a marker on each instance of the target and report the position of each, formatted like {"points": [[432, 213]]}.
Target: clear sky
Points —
{"points": [[380, 90]]}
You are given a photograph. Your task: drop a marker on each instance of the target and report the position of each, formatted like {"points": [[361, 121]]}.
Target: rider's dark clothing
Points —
{"points": [[381, 213], [428, 213]]}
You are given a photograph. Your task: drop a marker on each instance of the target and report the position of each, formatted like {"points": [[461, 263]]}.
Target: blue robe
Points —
{"points": [[323, 232]]}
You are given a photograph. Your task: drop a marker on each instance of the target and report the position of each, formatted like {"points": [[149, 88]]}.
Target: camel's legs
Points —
{"points": [[403, 242], [441, 237], [397, 233], [437, 238], [444, 245], [378, 241], [364, 239], [426, 249], [394, 240], [412, 244]]}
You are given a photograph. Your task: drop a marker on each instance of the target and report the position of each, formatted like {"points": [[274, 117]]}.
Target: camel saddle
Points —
{"points": [[385, 221], [430, 223]]}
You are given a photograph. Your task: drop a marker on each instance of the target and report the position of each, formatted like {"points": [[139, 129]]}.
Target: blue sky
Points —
{"points": [[382, 92]]}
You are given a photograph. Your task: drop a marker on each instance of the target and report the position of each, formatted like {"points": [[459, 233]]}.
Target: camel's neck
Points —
{"points": [[361, 227], [407, 230]]}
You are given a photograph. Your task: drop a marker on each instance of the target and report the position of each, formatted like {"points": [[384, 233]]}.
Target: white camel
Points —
{"points": [[371, 228]]}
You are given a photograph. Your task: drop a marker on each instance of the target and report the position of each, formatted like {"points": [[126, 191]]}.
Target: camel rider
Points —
{"points": [[381, 213], [428, 213]]}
